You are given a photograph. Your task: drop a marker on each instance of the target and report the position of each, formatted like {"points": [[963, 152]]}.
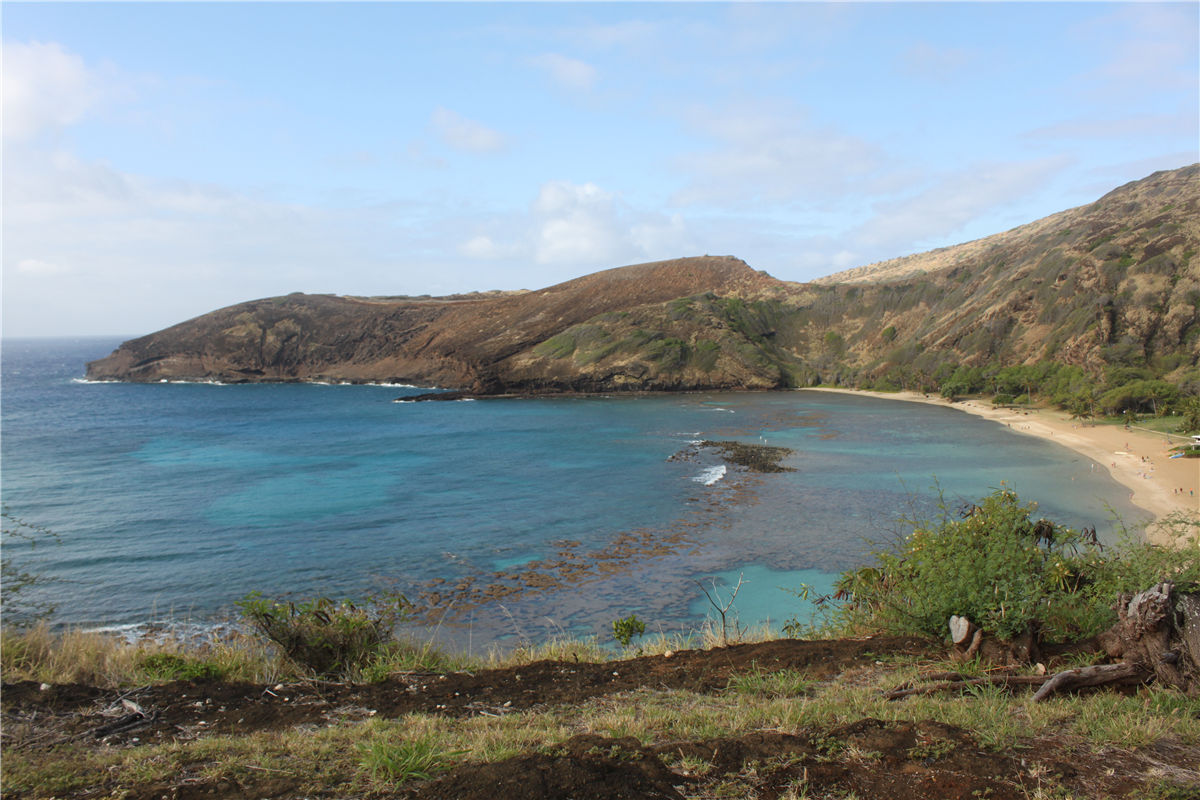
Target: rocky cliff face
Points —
{"points": [[1115, 282]]}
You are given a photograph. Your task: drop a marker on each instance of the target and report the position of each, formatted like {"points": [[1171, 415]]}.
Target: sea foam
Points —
{"points": [[711, 475]]}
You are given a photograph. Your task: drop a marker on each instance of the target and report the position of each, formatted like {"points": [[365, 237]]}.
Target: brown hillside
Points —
{"points": [[442, 341], [1161, 187], [1112, 283]]}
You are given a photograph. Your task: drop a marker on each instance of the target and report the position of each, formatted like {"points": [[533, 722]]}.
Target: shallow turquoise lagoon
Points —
{"points": [[174, 500]]}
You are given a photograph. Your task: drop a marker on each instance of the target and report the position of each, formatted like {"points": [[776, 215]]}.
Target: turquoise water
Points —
{"points": [[174, 500], [754, 595]]}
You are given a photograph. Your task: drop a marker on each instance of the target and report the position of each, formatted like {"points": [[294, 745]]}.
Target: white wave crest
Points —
{"points": [[711, 475]]}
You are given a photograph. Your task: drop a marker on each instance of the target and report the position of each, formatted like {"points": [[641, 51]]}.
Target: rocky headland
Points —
{"points": [[1111, 283]]}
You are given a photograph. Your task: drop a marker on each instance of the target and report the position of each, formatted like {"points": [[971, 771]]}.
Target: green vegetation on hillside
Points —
{"points": [[1010, 573]]}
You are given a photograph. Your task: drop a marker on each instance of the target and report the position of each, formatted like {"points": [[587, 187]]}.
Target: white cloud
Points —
{"points": [[660, 236], [466, 134], [571, 228], [33, 266], [575, 224], [569, 73], [91, 249], [764, 156], [45, 88], [485, 248], [1151, 47], [625, 34], [1136, 125], [951, 202]]}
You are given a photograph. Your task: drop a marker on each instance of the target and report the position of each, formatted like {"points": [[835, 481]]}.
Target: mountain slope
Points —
{"points": [[1112, 283], [443, 341]]}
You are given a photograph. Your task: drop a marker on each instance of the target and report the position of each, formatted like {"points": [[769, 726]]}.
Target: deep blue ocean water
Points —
{"points": [[174, 500]]}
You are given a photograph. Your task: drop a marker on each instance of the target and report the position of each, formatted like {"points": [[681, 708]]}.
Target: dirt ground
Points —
{"points": [[908, 759]]}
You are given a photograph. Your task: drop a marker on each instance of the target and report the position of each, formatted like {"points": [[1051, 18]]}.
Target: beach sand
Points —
{"points": [[1137, 459]]}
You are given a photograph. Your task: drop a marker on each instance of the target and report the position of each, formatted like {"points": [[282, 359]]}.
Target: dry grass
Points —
{"points": [[109, 661], [347, 756]]}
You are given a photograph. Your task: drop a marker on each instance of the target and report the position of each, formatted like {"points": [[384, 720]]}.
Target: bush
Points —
{"points": [[625, 629], [329, 638], [997, 566], [171, 667]]}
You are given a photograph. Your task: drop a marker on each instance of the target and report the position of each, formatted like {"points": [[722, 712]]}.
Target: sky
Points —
{"points": [[162, 160]]}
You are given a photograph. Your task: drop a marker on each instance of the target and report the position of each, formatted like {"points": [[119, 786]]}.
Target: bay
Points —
{"points": [[173, 500]]}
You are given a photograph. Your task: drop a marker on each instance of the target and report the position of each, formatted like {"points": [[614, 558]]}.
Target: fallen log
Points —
{"points": [[1098, 675], [963, 683]]}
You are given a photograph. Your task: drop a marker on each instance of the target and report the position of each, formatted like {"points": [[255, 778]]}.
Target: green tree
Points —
{"points": [[1155, 396], [1082, 405], [1190, 409]]}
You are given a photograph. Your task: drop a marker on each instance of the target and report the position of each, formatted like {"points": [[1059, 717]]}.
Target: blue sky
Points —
{"points": [[165, 159]]}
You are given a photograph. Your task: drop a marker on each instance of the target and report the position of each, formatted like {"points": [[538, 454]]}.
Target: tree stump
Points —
{"points": [[967, 638], [969, 641], [1157, 636], [1159, 631]]}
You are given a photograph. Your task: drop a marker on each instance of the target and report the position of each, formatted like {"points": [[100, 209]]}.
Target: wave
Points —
{"points": [[196, 633], [160, 380], [210, 382], [711, 475], [373, 383]]}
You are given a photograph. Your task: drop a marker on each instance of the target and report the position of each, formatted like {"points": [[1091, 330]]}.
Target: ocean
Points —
{"points": [[509, 519]]}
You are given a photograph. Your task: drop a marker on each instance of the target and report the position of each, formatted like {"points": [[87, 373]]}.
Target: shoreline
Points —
{"points": [[1137, 459]]}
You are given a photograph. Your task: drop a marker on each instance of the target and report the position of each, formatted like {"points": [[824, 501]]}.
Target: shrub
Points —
{"points": [[169, 666], [987, 565], [625, 629], [997, 566], [329, 638]]}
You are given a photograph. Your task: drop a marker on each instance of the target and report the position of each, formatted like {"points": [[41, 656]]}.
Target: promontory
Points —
{"points": [[1112, 283]]}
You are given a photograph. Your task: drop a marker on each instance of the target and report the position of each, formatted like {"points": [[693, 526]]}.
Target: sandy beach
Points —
{"points": [[1137, 458]]}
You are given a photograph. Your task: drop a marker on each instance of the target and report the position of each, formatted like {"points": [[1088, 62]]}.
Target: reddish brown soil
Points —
{"points": [[920, 759], [220, 707]]}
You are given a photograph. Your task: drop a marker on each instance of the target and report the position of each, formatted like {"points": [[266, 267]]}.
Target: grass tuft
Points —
{"points": [[396, 762]]}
